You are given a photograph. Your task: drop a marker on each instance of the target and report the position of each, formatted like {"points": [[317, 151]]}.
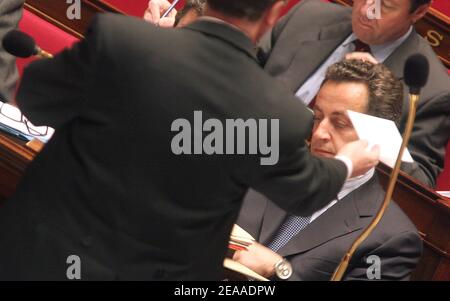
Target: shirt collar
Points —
{"points": [[354, 183], [383, 51]]}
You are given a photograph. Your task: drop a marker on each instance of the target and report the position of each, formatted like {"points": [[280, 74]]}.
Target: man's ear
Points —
{"points": [[269, 18], [273, 13], [420, 12]]}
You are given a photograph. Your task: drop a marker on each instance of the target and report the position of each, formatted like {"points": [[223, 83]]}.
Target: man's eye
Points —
{"points": [[387, 4], [341, 124], [316, 118]]}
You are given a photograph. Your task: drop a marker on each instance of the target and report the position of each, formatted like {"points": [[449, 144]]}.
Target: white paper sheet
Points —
{"points": [[444, 193], [380, 131]]}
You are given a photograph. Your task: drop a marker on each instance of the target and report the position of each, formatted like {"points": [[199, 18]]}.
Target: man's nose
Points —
{"points": [[322, 130]]}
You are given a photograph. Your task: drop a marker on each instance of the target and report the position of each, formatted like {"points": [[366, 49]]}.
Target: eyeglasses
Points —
{"points": [[14, 114]]}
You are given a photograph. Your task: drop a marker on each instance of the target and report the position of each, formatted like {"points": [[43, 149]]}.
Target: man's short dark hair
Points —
{"points": [[385, 90], [249, 9], [416, 3], [197, 5]]}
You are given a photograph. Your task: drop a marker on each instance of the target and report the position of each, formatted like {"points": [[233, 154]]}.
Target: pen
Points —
{"points": [[171, 7]]}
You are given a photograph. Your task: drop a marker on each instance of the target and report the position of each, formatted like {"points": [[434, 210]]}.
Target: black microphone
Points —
{"points": [[416, 73], [22, 45]]}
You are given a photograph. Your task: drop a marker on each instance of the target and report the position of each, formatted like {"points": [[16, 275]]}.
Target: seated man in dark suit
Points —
{"points": [[10, 14], [315, 244]]}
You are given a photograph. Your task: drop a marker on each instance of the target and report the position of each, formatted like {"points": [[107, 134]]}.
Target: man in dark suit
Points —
{"points": [[314, 35], [119, 190], [312, 246], [10, 15]]}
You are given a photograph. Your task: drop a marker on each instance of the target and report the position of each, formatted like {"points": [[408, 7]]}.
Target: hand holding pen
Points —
{"points": [[161, 13]]}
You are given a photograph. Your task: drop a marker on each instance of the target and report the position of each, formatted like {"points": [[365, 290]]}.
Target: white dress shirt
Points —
{"points": [[349, 186]]}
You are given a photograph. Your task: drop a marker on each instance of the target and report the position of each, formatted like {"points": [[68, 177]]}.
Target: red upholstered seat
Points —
{"points": [[443, 182], [443, 6], [135, 7], [47, 36]]}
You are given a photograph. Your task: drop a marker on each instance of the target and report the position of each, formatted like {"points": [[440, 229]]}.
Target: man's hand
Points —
{"points": [[258, 258], [362, 158], [155, 9], [363, 56]]}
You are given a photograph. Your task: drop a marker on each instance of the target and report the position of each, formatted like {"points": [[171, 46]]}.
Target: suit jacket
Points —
{"points": [[309, 34], [108, 187], [10, 15], [317, 250]]}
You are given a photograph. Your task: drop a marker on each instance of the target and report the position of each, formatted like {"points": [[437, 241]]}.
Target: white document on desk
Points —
{"points": [[10, 122], [444, 193], [380, 131]]}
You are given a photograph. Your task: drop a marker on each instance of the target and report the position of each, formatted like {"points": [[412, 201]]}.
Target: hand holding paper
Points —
{"points": [[382, 132]]}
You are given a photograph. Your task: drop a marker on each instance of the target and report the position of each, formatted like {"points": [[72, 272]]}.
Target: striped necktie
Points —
{"points": [[360, 46]]}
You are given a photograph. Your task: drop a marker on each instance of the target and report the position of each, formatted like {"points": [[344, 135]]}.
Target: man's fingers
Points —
{"points": [[363, 56], [376, 153], [155, 11], [376, 149], [164, 5], [364, 143], [167, 22], [172, 13]]}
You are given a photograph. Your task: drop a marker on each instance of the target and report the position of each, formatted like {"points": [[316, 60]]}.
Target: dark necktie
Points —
{"points": [[361, 46], [291, 226]]}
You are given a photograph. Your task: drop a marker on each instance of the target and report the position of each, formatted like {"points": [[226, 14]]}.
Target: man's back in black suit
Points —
{"points": [[108, 187]]}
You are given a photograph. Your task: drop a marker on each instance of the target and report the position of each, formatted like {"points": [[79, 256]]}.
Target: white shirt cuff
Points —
{"points": [[347, 163]]}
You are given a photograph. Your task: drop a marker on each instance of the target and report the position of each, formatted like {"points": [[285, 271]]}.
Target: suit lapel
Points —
{"points": [[273, 217], [322, 43], [396, 61], [345, 217]]}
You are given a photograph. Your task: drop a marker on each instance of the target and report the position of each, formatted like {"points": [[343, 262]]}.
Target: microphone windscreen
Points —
{"points": [[19, 44], [416, 72]]}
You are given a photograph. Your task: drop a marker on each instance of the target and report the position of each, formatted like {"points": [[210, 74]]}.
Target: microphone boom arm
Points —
{"points": [[343, 265], [43, 54]]}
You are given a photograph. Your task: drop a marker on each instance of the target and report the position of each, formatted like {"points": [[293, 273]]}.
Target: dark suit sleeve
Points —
{"points": [[269, 39], [53, 91], [429, 139], [399, 256], [10, 15], [301, 183]]}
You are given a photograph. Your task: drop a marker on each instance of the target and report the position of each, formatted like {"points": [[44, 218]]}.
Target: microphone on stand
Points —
{"points": [[22, 45], [415, 74]]}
